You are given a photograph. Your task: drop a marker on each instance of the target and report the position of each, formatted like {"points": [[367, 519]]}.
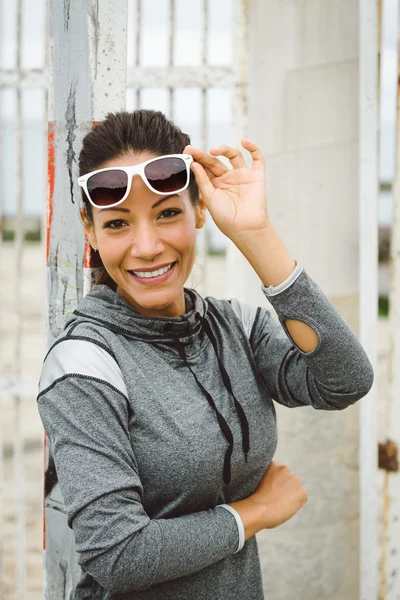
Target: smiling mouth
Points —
{"points": [[152, 274]]}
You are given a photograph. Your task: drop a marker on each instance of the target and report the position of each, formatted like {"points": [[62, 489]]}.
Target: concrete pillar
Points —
{"points": [[303, 112], [87, 80]]}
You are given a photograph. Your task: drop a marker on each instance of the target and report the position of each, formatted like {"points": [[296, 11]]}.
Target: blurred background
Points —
{"points": [[204, 34]]}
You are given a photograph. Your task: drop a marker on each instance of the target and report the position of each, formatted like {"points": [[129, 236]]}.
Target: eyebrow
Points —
{"points": [[163, 199]]}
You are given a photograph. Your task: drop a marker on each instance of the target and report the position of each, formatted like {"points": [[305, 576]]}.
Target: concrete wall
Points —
{"points": [[303, 112]]}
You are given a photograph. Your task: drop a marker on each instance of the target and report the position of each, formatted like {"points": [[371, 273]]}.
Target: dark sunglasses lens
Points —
{"points": [[167, 174], [108, 187]]}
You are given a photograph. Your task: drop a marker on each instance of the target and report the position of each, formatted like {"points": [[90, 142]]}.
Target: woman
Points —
{"points": [[158, 403]]}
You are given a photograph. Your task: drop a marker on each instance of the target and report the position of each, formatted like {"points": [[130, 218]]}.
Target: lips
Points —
{"points": [[154, 273], [146, 280], [151, 269]]}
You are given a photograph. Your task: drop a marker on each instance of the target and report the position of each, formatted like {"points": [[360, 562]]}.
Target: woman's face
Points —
{"points": [[147, 226]]}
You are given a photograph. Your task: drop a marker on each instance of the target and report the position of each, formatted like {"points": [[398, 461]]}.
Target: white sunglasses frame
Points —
{"points": [[136, 170]]}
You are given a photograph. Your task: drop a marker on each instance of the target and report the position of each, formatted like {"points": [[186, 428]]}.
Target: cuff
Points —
{"points": [[273, 291], [239, 524]]}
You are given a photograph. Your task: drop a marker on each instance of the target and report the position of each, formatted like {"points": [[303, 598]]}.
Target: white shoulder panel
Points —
{"points": [[80, 357], [246, 314]]}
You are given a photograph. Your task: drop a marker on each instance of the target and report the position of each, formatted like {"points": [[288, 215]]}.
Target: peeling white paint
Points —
{"points": [[87, 80]]}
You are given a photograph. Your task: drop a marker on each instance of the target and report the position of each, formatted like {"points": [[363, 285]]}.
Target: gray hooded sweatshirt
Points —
{"points": [[155, 421]]}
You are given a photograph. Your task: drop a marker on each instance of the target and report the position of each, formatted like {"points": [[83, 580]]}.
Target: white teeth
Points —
{"points": [[152, 273]]}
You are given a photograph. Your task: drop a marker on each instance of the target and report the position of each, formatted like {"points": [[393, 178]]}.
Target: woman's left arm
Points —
{"points": [[331, 376], [316, 359], [271, 260]]}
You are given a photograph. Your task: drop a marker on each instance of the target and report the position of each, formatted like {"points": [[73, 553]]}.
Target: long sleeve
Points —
{"points": [[85, 411], [334, 375]]}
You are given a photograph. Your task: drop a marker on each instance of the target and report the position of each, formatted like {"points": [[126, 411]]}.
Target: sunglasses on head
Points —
{"points": [[162, 175]]}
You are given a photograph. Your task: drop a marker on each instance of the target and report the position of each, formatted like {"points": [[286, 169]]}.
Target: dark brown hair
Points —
{"points": [[123, 133]]}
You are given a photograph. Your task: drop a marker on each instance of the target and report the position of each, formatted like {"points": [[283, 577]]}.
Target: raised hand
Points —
{"points": [[236, 197]]}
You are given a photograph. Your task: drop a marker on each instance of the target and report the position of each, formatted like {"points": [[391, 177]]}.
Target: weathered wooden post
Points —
{"points": [[87, 80]]}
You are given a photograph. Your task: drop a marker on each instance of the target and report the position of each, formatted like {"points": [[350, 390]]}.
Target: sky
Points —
{"points": [[187, 51]]}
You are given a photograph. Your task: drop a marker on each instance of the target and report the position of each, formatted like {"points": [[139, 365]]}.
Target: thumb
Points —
{"points": [[203, 181]]}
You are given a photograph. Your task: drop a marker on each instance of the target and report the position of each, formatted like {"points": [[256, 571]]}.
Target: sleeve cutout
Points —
{"points": [[310, 324]]}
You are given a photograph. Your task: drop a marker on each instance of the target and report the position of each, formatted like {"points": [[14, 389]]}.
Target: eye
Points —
{"points": [[110, 224], [169, 213]]}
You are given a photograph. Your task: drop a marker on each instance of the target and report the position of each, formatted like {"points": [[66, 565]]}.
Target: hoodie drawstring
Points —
{"points": [[227, 382], [228, 385]]}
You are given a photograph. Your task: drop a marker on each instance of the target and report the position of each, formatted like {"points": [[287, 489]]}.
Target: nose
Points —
{"points": [[146, 242]]}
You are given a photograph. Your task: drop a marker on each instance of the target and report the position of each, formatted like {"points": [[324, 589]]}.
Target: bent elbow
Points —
{"points": [[367, 381], [362, 379], [118, 577], [128, 566], [360, 383], [117, 543], [356, 387]]}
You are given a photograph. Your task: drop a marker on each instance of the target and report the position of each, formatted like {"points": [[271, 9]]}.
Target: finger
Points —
{"points": [[209, 175], [234, 155], [216, 167], [203, 181], [256, 154]]}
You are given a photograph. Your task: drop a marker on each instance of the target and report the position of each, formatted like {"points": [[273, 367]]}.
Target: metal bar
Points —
{"points": [[171, 34], [149, 77], [2, 485], [236, 264], [18, 463], [138, 54], [204, 45], [201, 246], [24, 78], [177, 76], [392, 500], [368, 285], [17, 386], [2, 480]]}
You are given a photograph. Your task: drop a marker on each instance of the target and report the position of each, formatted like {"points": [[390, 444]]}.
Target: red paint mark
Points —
{"points": [[50, 182], [44, 498], [96, 123], [87, 255], [91, 259]]}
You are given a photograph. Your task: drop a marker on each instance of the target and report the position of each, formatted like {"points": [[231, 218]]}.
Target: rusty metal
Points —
{"points": [[388, 457]]}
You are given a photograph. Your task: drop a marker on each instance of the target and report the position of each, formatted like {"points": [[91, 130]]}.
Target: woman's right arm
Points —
{"points": [[84, 408], [278, 497]]}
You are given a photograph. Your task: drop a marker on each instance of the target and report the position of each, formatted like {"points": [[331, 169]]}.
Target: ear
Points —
{"points": [[88, 228], [200, 213]]}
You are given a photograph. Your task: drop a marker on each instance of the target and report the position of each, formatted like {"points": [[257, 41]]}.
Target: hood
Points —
{"points": [[103, 305]]}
